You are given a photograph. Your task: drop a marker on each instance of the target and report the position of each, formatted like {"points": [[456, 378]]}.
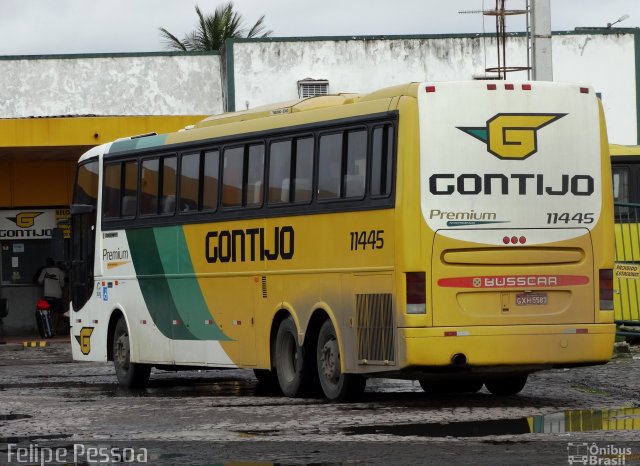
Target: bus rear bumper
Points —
{"points": [[535, 345]]}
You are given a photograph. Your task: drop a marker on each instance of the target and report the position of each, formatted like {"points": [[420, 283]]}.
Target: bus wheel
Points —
{"points": [[335, 385], [505, 386], [289, 358], [130, 374], [451, 386]]}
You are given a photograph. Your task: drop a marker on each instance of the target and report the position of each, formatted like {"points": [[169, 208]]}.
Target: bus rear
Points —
{"points": [[516, 211]]}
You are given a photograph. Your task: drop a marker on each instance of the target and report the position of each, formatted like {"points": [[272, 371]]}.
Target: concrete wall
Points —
{"points": [[267, 71], [124, 84]]}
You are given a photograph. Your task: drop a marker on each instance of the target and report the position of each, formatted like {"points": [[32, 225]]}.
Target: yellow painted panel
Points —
{"points": [[41, 184], [85, 131]]}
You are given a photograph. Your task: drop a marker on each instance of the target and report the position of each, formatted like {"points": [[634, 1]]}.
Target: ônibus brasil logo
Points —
{"points": [[512, 136]]}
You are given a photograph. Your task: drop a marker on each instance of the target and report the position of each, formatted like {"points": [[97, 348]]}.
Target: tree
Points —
{"points": [[214, 29]]}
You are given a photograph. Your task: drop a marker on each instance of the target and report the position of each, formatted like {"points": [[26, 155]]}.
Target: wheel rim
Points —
{"points": [[121, 351], [330, 361]]}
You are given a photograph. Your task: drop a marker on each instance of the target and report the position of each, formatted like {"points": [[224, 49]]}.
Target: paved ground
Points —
{"points": [[207, 417]]}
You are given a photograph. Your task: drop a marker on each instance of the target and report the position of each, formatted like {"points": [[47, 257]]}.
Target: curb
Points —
{"points": [[34, 344]]}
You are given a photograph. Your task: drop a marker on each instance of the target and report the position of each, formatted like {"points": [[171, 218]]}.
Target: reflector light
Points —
{"points": [[522, 240], [584, 90], [514, 240], [506, 240], [430, 88], [463, 333], [508, 87], [582, 330], [416, 293], [526, 87], [95, 322], [606, 289], [491, 87]]}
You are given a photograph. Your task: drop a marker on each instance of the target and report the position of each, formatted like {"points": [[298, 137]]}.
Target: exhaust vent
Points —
{"points": [[375, 329]]}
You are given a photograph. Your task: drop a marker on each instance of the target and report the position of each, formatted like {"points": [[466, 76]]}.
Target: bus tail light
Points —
{"points": [[416, 293], [606, 289]]}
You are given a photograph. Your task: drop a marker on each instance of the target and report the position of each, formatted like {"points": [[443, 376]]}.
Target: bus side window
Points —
{"points": [[354, 182], [621, 191], [210, 180], [303, 170], [168, 185], [111, 190], [381, 160], [130, 189], [255, 175], [149, 186], [189, 182], [279, 172], [232, 172], [330, 166]]}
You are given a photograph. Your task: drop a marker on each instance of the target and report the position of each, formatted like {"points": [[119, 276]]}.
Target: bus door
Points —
{"points": [[83, 234]]}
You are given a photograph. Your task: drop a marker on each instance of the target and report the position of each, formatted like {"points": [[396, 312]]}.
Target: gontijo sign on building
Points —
{"points": [[29, 223]]}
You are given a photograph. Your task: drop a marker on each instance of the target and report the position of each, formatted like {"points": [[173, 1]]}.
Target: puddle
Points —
{"points": [[32, 438], [13, 417], [563, 422]]}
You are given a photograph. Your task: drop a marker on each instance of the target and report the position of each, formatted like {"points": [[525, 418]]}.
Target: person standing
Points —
{"points": [[53, 277]]}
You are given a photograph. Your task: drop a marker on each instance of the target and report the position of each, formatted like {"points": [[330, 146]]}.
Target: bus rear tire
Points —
{"points": [[336, 385], [506, 386], [289, 359], [129, 374]]}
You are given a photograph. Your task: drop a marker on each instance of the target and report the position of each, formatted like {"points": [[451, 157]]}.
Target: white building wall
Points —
{"points": [[145, 84], [267, 71]]}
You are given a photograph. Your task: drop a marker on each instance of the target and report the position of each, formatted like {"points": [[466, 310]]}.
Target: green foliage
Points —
{"points": [[214, 29]]}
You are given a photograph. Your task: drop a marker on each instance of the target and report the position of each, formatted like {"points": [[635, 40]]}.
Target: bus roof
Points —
{"points": [[621, 150]]}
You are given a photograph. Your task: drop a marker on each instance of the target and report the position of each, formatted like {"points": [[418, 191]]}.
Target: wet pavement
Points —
{"points": [[225, 415]]}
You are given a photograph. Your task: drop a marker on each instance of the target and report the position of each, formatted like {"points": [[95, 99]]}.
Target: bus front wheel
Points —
{"points": [[289, 359], [130, 374], [505, 386], [336, 385]]}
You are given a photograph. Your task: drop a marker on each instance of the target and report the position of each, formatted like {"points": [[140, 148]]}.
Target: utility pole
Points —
{"points": [[542, 63]]}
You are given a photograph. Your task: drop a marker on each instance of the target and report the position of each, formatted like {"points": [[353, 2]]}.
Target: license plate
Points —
{"points": [[531, 299]]}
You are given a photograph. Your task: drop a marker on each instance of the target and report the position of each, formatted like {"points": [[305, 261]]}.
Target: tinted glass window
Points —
{"points": [[255, 175], [111, 190], [279, 172], [149, 186], [304, 170], [130, 194], [354, 181], [233, 165], [381, 159], [189, 182], [168, 192], [210, 184], [86, 189], [330, 166]]}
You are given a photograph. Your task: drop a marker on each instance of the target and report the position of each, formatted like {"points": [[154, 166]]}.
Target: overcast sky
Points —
{"points": [[35, 27]]}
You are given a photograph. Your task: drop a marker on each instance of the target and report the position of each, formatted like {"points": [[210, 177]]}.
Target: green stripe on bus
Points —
{"points": [[191, 306], [167, 280]]}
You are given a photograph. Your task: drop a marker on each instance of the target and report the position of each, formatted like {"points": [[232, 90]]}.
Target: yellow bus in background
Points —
{"points": [[458, 233], [625, 167]]}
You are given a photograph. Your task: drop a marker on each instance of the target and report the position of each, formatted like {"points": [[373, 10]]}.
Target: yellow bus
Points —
{"points": [[458, 233], [625, 166]]}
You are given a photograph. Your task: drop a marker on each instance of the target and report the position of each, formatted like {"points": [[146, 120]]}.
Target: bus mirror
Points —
{"points": [[58, 245], [78, 209]]}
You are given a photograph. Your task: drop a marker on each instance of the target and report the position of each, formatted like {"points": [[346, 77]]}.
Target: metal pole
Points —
{"points": [[541, 25]]}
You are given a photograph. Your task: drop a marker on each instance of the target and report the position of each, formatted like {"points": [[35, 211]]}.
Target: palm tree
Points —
{"points": [[214, 29]]}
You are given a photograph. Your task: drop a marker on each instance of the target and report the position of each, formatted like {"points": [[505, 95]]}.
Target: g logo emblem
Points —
{"points": [[84, 339], [25, 219], [512, 136]]}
